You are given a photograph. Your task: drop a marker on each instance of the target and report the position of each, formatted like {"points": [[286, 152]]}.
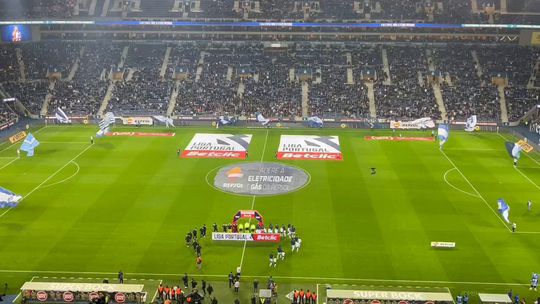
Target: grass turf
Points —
{"points": [[126, 203]]}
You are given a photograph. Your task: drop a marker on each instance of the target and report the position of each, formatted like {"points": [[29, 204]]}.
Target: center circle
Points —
{"points": [[260, 178]]}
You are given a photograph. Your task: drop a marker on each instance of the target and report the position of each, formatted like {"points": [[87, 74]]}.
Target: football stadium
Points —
{"points": [[270, 151]]}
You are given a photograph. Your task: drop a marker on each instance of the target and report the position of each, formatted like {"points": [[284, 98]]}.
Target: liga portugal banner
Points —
{"points": [[248, 237], [309, 147], [218, 146]]}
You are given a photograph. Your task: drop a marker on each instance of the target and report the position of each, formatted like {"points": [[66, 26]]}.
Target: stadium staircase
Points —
{"points": [[479, 71], [106, 99], [439, 99], [305, 99], [22, 72], [123, 58], [172, 100], [502, 101], [504, 7], [105, 9], [229, 73], [532, 84], [240, 93], [350, 76], [371, 98], [386, 67], [163, 70], [200, 66], [75, 65], [48, 97], [292, 78], [474, 7], [130, 74]]}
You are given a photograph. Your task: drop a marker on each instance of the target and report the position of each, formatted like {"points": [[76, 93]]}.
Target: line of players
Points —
{"points": [[296, 243], [192, 240]]}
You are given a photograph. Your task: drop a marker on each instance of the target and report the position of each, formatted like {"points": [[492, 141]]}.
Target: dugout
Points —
{"points": [[62, 292], [494, 298], [337, 296]]}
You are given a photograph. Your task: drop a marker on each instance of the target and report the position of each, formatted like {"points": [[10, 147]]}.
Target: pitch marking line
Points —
{"points": [[176, 275], [450, 184], [48, 178], [155, 294], [475, 190], [67, 178], [9, 163], [530, 180], [253, 201]]}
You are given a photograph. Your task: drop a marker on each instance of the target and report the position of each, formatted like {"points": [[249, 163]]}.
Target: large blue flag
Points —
{"points": [[504, 209], [29, 144], [8, 199], [61, 116], [315, 122], [260, 118], [442, 134], [104, 124]]}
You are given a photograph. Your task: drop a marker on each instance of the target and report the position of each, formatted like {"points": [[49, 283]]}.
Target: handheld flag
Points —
{"points": [[442, 134], [104, 124], [262, 120], [167, 120], [514, 150], [29, 144], [8, 199], [223, 121], [504, 209], [315, 122], [471, 123], [61, 116]]}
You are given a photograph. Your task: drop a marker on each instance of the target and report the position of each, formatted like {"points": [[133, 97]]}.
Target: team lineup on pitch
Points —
{"points": [[321, 177]]}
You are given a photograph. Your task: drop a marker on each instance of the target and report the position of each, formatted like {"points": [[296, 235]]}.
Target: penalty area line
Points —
{"points": [[48, 178], [475, 190]]}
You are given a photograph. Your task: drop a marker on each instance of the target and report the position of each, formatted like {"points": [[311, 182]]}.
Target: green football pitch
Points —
{"points": [[127, 203]]}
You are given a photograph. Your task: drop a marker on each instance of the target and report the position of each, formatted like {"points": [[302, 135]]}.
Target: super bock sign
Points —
{"points": [[260, 179]]}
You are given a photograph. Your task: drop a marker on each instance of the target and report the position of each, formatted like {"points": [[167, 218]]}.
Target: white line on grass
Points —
{"points": [[176, 275], [524, 175], [253, 202], [63, 142], [65, 179], [477, 192], [462, 191], [9, 163], [48, 178], [155, 294]]}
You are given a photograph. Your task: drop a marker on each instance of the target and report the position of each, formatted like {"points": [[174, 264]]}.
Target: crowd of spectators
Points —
{"points": [[37, 8], [246, 79], [515, 63], [519, 100], [48, 57], [31, 94], [6, 114], [9, 67], [463, 102]]}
